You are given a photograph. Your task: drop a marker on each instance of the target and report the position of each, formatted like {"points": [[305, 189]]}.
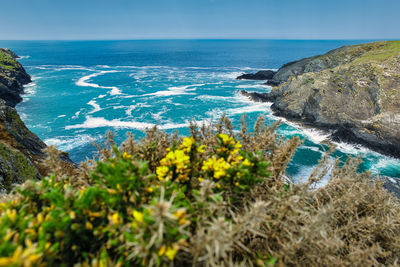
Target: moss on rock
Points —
{"points": [[15, 167]]}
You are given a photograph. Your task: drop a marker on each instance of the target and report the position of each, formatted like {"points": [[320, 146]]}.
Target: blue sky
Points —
{"points": [[164, 19]]}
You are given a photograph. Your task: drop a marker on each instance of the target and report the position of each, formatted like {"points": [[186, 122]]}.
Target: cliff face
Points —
{"points": [[21, 151], [354, 90], [12, 77]]}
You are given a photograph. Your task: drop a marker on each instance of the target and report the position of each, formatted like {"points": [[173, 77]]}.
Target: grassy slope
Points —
{"points": [[7, 62]]}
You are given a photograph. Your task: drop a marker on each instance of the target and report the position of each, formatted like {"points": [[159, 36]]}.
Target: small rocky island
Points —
{"points": [[353, 91], [21, 151]]}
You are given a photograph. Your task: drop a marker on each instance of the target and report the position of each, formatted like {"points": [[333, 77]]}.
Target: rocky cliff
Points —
{"points": [[12, 77], [352, 90], [21, 151]]}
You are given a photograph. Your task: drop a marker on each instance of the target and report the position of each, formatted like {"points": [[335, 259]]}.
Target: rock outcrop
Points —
{"points": [[12, 77], [261, 75], [21, 151], [352, 90], [256, 97]]}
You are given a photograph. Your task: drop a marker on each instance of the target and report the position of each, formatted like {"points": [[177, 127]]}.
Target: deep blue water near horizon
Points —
{"points": [[81, 89]]}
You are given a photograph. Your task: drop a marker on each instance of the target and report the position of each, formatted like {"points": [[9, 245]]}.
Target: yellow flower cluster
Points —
{"points": [[169, 251], [126, 156], [187, 144], [226, 140], [229, 157], [175, 165], [217, 166]]}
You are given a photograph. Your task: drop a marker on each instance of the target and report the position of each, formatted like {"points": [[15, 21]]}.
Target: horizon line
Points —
{"points": [[211, 38]]}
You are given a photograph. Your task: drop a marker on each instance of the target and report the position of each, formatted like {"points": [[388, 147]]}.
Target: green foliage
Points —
{"points": [[126, 215], [383, 51], [7, 61]]}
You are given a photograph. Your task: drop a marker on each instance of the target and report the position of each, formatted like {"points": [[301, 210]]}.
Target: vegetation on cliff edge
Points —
{"points": [[216, 198]]}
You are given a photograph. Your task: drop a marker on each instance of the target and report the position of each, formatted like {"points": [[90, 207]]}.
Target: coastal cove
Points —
{"points": [[82, 89]]}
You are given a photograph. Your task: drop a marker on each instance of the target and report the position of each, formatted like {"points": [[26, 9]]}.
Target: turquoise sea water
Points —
{"points": [[81, 89]]}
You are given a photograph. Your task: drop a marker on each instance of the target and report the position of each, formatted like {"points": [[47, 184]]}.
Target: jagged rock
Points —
{"points": [[261, 75], [256, 97]]}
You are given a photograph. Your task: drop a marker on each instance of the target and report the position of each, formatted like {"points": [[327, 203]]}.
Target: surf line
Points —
{"points": [[84, 82]]}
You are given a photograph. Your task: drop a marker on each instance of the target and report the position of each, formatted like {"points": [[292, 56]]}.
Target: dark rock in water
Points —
{"points": [[256, 97], [261, 75], [21, 151], [354, 90]]}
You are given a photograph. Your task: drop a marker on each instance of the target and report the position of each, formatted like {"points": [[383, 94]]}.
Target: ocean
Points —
{"points": [[82, 89]]}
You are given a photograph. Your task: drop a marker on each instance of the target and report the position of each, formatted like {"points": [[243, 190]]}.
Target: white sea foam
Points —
{"points": [[61, 116], [353, 149], [176, 90], [77, 114], [71, 67], [386, 163], [315, 135], [24, 57], [217, 98], [261, 107], [30, 89], [99, 122], [227, 76], [84, 82], [103, 66], [96, 107], [67, 143]]}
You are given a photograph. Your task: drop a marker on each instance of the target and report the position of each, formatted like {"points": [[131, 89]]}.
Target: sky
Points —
{"points": [[198, 19]]}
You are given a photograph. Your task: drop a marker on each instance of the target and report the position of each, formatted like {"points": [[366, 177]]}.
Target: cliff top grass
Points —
{"points": [[7, 61], [215, 198], [381, 52]]}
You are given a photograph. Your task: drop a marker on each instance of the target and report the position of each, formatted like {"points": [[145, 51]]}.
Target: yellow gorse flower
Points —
{"points": [[89, 226], [177, 160], [171, 252], [115, 218], [162, 172], [201, 148], [226, 140], [125, 155], [162, 250], [247, 163], [217, 166], [187, 144], [12, 214], [180, 215], [138, 216]]}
